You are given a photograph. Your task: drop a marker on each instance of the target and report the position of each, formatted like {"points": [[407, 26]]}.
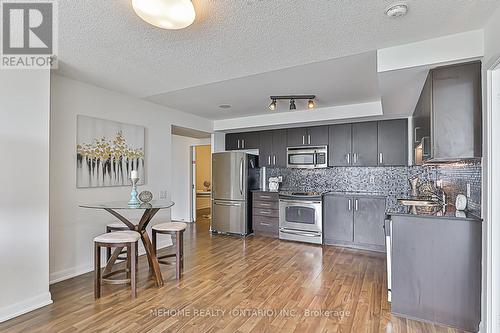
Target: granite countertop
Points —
{"points": [[357, 193], [266, 191], [436, 212]]}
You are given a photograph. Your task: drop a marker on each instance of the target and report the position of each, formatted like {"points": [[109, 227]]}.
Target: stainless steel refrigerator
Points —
{"points": [[234, 175]]}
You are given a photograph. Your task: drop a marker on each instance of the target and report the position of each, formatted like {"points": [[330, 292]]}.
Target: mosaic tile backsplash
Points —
{"points": [[391, 181]]}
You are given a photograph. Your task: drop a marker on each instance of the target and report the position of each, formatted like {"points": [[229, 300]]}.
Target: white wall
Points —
{"points": [[72, 228], [181, 180], [492, 40], [24, 200]]}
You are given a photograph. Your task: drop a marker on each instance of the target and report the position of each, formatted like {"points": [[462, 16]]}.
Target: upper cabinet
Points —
{"points": [[364, 144], [392, 145], [272, 149], [374, 143], [307, 136], [246, 140], [448, 117], [382, 143], [340, 145]]}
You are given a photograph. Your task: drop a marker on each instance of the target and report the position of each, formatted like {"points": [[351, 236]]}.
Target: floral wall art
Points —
{"points": [[107, 151]]}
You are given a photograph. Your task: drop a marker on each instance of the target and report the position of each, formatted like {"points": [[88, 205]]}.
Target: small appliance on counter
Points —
{"points": [[274, 183]]}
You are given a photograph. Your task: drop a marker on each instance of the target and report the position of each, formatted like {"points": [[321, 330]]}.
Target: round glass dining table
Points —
{"points": [[150, 210]]}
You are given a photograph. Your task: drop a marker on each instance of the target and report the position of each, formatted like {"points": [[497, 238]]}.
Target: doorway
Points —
{"points": [[201, 181], [187, 168]]}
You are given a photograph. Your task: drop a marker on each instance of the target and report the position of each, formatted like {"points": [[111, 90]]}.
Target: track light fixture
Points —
{"points": [[310, 101], [272, 106], [310, 104]]}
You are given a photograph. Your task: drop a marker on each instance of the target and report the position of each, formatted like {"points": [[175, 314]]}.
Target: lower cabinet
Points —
{"points": [[265, 214], [436, 270], [354, 221]]}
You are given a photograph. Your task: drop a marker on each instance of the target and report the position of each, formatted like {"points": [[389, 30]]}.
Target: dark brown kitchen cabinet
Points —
{"points": [[272, 149], [307, 136], [447, 121], [392, 142], [369, 217], [245, 140], [364, 144], [436, 270], [354, 221], [265, 212], [338, 219], [340, 145]]}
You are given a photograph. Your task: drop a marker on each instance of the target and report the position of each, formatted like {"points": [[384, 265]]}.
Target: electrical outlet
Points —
{"points": [[372, 179], [468, 190]]}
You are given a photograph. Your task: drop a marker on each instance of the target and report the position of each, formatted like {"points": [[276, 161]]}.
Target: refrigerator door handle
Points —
{"points": [[241, 177]]}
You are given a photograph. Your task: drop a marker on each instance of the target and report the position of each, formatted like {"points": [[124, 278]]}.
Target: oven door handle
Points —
{"points": [[302, 203], [308, 234]]}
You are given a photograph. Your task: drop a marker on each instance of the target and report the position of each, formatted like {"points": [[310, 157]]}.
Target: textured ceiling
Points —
{"points": [[105, 43], [341, 81]]}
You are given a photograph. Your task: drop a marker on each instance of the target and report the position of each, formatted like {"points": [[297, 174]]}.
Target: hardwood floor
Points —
{"points": [[226, 281]]}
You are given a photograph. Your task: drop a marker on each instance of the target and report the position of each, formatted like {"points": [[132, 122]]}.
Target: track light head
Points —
{"points": [[272, 106], [292, 105], [310, 104]]}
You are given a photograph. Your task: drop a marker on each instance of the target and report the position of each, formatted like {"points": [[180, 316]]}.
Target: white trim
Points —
{"points": [[69, 273], [451, 48], [25, 306], [491, 292]]}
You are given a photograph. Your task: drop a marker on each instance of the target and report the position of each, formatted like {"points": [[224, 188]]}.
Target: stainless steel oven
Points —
{"points": [[301, 217], [307, 157]]}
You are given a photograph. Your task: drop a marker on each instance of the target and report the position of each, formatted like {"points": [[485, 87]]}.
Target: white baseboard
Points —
{"points": [[89, 266], [25, 306]]}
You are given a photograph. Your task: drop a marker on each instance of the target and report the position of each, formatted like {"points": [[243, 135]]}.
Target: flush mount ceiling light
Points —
{"points": [[397, 10], [293, 98], [165, 14]]}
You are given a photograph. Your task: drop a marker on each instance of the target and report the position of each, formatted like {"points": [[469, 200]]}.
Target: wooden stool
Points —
{"points": [[111, 227], [172, 228], [126, 239]]}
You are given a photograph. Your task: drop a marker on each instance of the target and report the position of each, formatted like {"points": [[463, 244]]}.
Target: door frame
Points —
{"points": [[192, 177], [491, 229]]}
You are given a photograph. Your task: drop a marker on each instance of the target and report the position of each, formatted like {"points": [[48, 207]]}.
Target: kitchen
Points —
{"points": [[410, 188]]}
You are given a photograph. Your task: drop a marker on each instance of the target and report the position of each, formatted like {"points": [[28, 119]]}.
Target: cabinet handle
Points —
{"points": [[238, 143], [356, 204], [349, 204], [381, 158], [303, 139], [348, 158], [354, 158], [415, 134], [243, 143], [309, 139], [265, 197], [266, 224], [274, 159], [269, 160]]}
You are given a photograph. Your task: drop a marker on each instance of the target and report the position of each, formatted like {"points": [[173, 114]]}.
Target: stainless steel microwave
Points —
{"points": [[308, 157]]}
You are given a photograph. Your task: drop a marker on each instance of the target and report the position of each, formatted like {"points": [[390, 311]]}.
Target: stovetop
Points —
{"points": [[299, 195]]}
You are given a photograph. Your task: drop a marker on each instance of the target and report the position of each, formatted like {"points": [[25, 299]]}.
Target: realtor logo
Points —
{"points": [[28, 33]]}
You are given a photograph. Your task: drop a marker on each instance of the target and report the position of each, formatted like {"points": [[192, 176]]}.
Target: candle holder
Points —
{"points": [[134, 201]]}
